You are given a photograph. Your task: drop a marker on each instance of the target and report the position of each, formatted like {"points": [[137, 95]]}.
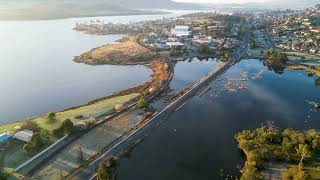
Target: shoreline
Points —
{"points": [[139, 88], [134, 89]]}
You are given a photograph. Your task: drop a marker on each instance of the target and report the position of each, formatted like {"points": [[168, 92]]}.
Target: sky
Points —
{"points": [[223, 1]]}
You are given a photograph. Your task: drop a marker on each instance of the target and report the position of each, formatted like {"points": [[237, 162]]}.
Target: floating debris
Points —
{"points": [[258, 75], [245, 76], [315, 105], [235, 86]]}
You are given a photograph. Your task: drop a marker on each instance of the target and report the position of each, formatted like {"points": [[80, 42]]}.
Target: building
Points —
{"points": [[181, 31], [4, 138], [24, 135], [174, 44]]}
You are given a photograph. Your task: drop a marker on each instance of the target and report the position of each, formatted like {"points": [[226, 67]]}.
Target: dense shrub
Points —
{"points": [[265, 144], [30, 125]]}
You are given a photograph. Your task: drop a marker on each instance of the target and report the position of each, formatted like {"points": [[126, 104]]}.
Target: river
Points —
{"points": [[37, 72], [197, 142]]}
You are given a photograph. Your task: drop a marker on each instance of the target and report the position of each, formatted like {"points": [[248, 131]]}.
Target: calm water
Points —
{"points": [[198, 141], [37, 74], [185, 74]]}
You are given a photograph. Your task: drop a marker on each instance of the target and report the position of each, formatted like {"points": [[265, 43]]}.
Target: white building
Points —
{"points": [[174, 44], [24, 135], [180, 31]]}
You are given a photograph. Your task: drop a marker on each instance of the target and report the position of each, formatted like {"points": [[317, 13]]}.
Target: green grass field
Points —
{"points": [[12, 155], [89, 111], [300, 54], [255, 52]]}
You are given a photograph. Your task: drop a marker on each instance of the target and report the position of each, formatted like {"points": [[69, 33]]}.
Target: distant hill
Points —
{"points": [[157, 4], [54, 9], [293, 3], [275, 4]]}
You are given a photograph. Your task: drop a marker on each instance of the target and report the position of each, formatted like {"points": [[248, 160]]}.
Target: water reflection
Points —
{"points": [[37, 73], [198, 142]]}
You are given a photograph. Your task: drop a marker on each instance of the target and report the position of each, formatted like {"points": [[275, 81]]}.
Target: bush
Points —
{"points": [[51, 117], [86, 56], [250, 172], [102, 173], [67, 126], [293, 173], [30, 125], [57, 132], [142, 103], [35, 144], [275, 58]]}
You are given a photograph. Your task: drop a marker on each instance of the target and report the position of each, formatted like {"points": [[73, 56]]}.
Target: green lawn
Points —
{"points": [[299, 54], [255, 52], [12, 155], [88, 112]]}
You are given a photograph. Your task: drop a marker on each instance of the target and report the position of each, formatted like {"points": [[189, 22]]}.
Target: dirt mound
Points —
{"points": [[126, 51]]}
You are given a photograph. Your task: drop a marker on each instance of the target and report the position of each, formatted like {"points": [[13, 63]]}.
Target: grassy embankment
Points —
{"points": [[295, 56], [87, 111], [13, 155], [287, 154], [125, 52]]}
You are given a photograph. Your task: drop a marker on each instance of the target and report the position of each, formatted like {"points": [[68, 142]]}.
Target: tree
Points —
{"points": [[304, 152], [102, 173], [35, 144], [142, 103], [36, 141], [58, 132], [51, 117], [30, 125], [67, 126], [27, 149]]}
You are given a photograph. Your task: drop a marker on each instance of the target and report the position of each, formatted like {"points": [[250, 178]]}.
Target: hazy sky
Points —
{"points": [[222, 1]]}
